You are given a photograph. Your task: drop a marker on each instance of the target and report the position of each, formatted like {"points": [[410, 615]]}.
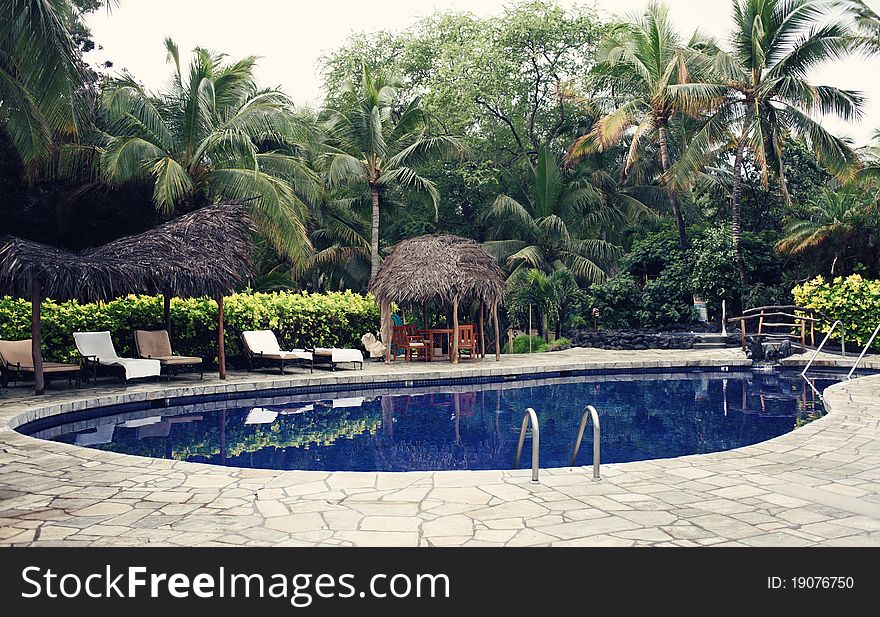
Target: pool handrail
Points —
{"points": [[529, 417], [589, 413], [864, 351], [836, 323]]}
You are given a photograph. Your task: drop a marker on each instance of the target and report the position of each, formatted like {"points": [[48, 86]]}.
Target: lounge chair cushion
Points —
{"points": [[17, 355], [156, 344], [98, 346], [339, 355], [178, 360], [264, 343]]}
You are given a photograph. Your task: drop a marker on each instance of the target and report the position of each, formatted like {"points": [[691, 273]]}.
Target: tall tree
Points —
{"points": [[40, 72], [213, 135], [838, 226], [374, 145], [762, 95], [544, 231], [638, 61]]}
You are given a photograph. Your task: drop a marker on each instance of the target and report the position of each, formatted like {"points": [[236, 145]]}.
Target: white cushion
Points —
{"points": [[99, 345]]}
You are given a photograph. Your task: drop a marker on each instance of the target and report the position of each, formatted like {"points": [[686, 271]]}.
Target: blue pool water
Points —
{"points": [[462, 427]]}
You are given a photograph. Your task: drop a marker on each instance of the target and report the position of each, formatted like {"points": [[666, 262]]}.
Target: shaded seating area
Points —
{"points": [[97, 351], [444, 273], [156, 345], [262, 346], [17, 363], [208, 252]]}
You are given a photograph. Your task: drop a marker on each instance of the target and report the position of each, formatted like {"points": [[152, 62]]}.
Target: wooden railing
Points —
{"points": [[787, 319]]}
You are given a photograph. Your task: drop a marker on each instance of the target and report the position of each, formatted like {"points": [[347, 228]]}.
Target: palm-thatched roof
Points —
{"points": [[438, 268], [205, 252], [63, 275]]}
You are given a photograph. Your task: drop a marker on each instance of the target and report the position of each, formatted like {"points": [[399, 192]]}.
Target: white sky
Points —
{"points": [[292, 35]]}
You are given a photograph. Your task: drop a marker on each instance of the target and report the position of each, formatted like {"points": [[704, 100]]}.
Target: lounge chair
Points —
{"points": [[96, 350], [335, 355], [263, 345], [17, 362], [374, 346], [156, 345]]}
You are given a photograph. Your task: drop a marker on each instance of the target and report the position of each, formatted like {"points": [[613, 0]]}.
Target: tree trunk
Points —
{"points": [[36, 337], [666, 163], [497, 334], [374, 233], [736, 196], [221, 347], [453, 348], [166, 311]]}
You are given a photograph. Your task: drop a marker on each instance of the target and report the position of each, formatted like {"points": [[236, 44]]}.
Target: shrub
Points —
{"points": [[853, 300], [521, 344], [655, 285], [558, 344], [299, 319]]}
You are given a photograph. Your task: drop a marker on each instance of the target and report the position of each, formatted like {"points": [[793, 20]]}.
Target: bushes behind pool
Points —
{"points": [[852, 299], [335, 319]]}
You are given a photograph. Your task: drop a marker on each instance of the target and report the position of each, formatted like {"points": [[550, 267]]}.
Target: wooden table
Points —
{"points": [[430, 333]]}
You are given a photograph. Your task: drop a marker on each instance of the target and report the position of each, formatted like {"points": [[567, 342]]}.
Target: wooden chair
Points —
{"points": [[416, 344], [467, 341], [400, 339]]}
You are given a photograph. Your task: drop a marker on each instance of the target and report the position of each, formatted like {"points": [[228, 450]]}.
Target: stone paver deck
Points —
{"points": [[819, 484]]}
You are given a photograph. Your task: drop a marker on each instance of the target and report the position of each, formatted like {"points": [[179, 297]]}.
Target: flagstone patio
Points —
{"points": [[819, 484]]}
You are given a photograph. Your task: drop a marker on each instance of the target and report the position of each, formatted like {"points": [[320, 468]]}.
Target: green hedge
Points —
{"points": [[853, 300], [299, 319]]}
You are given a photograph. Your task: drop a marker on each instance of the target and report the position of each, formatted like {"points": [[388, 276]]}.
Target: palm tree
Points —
{"points": [[837, 222], [639, 61], [550, 296], [761, 95], [212, 136], [543, 232], [374, 146], [40, 73]]}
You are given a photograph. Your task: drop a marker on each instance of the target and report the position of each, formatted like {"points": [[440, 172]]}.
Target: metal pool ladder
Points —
{"points": [[589, 412], [825, 340], [529, 417], [864, 351]]}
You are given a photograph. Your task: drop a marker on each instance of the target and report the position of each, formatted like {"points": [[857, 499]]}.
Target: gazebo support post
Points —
{"points": [[482, 333], [166, 312], [36, 337], [385, 327], [221, 347], [453, 349], [497, 334]]}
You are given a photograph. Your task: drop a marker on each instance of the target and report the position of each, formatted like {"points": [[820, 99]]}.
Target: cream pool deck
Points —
{"points": [[817, 485]]}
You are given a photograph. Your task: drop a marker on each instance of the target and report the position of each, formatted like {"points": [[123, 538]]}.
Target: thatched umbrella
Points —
{"points": [[441, 269], [206, 252]]}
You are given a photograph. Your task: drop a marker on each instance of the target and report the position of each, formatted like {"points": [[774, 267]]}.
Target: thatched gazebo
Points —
{"points": [[441, 270], [204, 253]]}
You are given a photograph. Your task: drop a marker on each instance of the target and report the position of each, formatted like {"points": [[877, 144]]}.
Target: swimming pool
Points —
{"points": [[462, 426]]}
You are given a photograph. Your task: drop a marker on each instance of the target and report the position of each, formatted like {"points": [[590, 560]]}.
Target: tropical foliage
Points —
{"points": [[549, 230], [373, 146], [611, 163], [852, 299], [762, 95]]}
